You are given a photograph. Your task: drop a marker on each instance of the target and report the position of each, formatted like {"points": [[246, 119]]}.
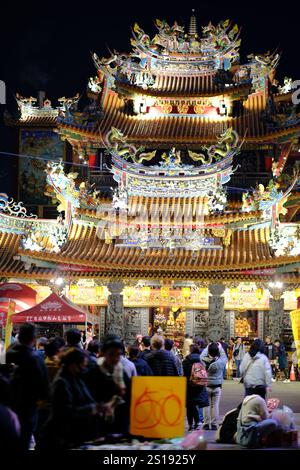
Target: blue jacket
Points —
{"points": [[142, 368], [214, 367], [162, 362]]}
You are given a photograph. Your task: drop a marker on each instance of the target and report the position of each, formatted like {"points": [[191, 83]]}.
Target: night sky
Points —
{"points": [[47, 46]]}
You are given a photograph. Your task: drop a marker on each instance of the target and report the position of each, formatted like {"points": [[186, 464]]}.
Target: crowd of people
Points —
{"points": [[54, 394]]}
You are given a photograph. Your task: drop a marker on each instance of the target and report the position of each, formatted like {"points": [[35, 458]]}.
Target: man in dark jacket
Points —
{"points": [[196, 396], [142, 367], [29, 382], [270, 352], [160, 361], [146, 349]]}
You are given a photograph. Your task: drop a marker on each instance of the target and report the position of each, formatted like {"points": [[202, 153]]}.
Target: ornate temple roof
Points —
{"points": [[183, 129], [247, 250]]}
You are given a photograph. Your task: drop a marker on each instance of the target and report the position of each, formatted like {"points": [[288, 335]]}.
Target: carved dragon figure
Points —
{"points": [[226, 142], [117, 143]]}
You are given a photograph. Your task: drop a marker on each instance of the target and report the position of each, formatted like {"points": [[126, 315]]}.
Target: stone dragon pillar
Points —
{"points": [[216, 319], [115, 310]]}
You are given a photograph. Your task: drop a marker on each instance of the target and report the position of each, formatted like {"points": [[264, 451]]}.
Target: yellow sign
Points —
{"points": [[295, 319], [8, 328], [158, 406]]}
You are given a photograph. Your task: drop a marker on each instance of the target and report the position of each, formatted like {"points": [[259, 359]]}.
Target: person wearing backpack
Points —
{"points": [[197, 397], [214, 359]]}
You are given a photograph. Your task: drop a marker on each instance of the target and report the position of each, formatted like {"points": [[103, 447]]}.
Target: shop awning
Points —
{"points": [[53, 309], [23, 296]]}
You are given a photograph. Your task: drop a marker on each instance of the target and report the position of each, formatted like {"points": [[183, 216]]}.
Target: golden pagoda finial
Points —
{"points": [[193, 24]]}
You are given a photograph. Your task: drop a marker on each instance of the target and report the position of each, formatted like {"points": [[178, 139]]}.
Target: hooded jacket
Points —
{"points": [[256, 370]]}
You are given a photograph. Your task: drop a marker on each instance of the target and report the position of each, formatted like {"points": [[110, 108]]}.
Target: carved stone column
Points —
{"points": [[115, 310], [274, 326], [216, 319]]}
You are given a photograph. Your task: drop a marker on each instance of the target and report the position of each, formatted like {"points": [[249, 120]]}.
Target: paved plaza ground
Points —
{"points": [[232, 394]]}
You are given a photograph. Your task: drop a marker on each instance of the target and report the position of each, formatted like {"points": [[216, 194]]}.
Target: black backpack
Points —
{"points": [[228, 427]]}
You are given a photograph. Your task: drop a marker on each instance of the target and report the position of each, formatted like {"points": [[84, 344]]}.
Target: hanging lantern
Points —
{"points": [[146, 291], [186, 292], [99, 290], [234, 293], [259, 293], [165, 291], [174, 309], [297, 292], [73, 290], [128, 291], [202, 292]]}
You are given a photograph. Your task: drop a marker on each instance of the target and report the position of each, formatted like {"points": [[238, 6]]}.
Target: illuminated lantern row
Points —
{"points": [[186, 292], [259, 293], [234, 293]]}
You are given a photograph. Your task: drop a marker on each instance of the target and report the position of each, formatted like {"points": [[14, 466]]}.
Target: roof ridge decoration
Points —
{"points": [[171, 51], [12, 208], [228, 144], [65, 188], [28, 108]]}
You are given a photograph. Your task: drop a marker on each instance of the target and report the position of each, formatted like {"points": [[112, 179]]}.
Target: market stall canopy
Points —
{"points": [[53, 309], [22, 295]]}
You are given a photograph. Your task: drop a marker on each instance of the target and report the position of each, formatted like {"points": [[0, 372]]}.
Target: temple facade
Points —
{"points": [[179, 207]]}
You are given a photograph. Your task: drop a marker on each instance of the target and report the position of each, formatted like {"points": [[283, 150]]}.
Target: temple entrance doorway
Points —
{"points": [[246, 325], [168, 321]]}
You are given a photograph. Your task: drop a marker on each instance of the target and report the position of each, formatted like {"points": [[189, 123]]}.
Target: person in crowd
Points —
{"points": [[169, 345], [128, 366], [256, 370], [225, 348], [94, 350], [29, 382], [110, 361], [295, 364], [238, 354], [53, 351], [197, 396], [40, 346], [176, 350], [186, 345], [214, 359], [73, 338], [10, 428], [142, 367], [74, 415], [282, 360], [145, 348], [2, 352], [161, 362], [138, 342], [271, 354], [201, 343], [253, 422], [230, 357]]}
